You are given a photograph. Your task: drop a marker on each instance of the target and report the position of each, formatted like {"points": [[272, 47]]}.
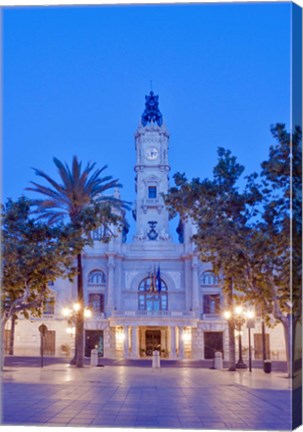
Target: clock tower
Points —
{"points": [[152, 168]]}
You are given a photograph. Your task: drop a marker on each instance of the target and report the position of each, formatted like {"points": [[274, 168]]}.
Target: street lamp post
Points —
{"points": [[250, 324], [71, 315], [239, 317]]}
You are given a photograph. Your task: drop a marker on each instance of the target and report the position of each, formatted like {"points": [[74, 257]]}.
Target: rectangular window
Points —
{"points": [[211, 303], [96, 303], [49, 306], [152, 192]]}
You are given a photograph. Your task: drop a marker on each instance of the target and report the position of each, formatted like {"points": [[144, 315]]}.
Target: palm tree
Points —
{"points": [[78, 199]]}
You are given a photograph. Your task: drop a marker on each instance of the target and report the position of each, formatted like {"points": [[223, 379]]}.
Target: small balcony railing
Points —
{"points": [[155, 313]]}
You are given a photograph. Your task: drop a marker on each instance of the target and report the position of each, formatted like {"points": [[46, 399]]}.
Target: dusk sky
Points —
{"points": [[75, 80]]}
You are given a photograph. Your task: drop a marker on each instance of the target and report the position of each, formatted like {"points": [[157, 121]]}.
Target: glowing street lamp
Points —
{"points": [[71, 314], [250, 323], [239, 317]]}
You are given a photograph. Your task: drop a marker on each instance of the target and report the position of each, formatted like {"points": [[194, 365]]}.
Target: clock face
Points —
{"points": [[152, 153]]}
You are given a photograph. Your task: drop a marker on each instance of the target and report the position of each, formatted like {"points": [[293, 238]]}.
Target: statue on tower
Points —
{"points": [[152, 112]]}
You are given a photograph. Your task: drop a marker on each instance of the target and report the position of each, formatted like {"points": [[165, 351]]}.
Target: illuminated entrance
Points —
{"points": [[153, 341], [153, 338]]}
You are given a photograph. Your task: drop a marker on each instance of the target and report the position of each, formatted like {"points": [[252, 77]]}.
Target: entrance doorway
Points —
{"points": [[94, 340], [153, 341], [213, 342], [7, 336], [258, 346], [49, 343]]}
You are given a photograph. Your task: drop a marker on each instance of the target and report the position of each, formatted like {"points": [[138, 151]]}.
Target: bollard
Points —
{"points": [[156, 359], [218, 363], [94, 357], [267, 366]]}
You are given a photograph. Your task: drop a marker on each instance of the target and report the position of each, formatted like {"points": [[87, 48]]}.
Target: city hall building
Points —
{"points": [[150, 292]]}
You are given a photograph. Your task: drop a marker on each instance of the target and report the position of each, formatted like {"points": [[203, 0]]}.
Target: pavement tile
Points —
{"points": [[178, 398]]}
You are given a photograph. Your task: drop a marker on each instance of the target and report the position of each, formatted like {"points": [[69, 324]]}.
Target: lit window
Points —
{"points": [[150, 298], [152, 192], [96, 277]]}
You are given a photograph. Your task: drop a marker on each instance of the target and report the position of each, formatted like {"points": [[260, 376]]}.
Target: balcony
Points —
{"points": [[211, 316], [151, 202], [151, 313]]}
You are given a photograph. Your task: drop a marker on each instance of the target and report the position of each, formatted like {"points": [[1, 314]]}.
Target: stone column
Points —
{"points": [[181, 343], [135, 339], [187, 284], [195, 285], [125, 343], [118, 283], [203, 344], [163, 341], [110, 285], [173, 354]]}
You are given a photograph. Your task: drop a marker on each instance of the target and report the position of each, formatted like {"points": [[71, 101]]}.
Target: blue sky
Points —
{"points": [[75, 80]]}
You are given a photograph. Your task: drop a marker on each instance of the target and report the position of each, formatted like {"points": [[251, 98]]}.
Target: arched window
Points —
{"points": [[151, 296], [96, 277], [209, 278]]}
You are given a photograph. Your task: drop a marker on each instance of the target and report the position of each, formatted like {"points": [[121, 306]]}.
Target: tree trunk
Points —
{"points": [[12, 335], [231, 331], [2, 343], [287, 323], [232, 346], [263, 337], [79, 346]]}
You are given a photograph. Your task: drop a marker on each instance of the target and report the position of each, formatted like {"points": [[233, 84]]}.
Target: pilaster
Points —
{"points": [[195, 285], [110, 292], [181, 342], [173, 351], [135, 341], [125, 343]]}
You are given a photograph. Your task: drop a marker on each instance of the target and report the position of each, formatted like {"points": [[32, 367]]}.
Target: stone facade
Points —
{"points": [[182, 317]]}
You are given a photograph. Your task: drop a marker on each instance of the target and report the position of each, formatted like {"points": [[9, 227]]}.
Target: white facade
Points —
{"points": [[183, 319]]}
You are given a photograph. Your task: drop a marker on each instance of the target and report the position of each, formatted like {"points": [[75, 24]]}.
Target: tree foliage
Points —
{"points": [[252, 237], [33, 254], [79, 199]]}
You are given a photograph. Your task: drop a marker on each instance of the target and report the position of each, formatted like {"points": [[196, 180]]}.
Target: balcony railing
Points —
{"points": [[155, 313], [211, 316]]}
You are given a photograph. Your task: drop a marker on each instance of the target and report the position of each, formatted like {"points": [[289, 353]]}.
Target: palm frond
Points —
{"points": [[42, 174], [79, 188], [63, 172]]}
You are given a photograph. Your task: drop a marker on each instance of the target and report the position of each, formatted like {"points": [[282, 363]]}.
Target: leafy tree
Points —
{"points": [[221, 214], [79, 198], [33, 254], [282, 225], [252, 238]]}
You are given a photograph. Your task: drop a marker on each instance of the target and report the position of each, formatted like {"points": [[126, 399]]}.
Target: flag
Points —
{"points": [[155, 279], [159, 279], [151, 282]]}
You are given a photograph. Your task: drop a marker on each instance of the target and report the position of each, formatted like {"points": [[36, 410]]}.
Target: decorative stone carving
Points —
{"points": [[164, 235], [141, 236]]}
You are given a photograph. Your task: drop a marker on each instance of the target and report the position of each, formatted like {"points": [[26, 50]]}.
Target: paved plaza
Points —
{"points": [[143, 397]]}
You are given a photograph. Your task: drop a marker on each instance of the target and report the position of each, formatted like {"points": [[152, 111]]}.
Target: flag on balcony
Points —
{"points": [[159, 279], [155, 279], [151, 282]]}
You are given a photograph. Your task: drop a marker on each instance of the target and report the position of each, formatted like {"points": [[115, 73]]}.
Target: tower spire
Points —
{"points": [[152, 112]]}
